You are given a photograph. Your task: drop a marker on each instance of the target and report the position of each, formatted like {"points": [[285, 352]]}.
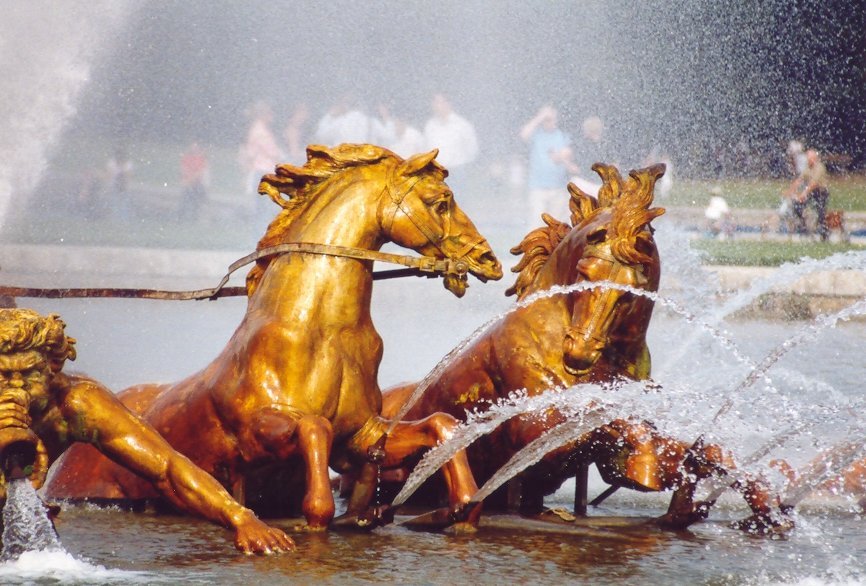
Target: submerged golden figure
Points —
{"points": [[590, 335], [43, 411], [297, 383]]}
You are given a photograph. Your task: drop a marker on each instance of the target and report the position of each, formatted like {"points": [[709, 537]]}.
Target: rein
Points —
{"points": [[424, 266]]}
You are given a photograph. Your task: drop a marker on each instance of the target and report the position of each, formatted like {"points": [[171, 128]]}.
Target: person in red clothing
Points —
{"points": [[194, 175]]}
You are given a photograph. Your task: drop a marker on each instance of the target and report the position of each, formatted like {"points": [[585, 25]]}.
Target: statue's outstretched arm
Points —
{"points": [[96, 416]]}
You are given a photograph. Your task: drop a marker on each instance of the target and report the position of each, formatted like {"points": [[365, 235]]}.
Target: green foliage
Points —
{"points": [[847, 192], [766, 253]]}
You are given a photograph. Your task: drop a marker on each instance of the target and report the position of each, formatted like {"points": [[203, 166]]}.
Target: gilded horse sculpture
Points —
{"points": [[593, 335], [299, 376]]}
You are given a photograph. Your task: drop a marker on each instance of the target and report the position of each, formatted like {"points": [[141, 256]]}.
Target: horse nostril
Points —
{"points": [[489, 259]]}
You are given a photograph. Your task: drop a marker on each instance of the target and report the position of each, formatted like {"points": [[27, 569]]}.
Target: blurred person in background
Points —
{"points": [[455, 138], [718, 214], [118, 171], [194, 179], [295, 135], [259, 155], [344, 122], [549, 166], [811, 187], [796, 157], [395, 133]]}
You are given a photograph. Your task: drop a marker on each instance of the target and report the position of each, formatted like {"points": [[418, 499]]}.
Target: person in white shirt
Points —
{"points": [[344, 123], [394, 133], [455, 138], [258, 156]]}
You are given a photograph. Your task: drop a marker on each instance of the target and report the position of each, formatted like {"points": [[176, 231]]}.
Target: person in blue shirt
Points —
{"points": [[550, 164]]}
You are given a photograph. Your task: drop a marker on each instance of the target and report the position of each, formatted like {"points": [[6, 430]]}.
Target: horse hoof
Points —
{"points": [[368, 520], [763, 525]]}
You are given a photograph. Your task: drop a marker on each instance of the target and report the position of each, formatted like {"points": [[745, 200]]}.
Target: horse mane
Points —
{"points": [[627, 231], [536, 248], [293, 188]]}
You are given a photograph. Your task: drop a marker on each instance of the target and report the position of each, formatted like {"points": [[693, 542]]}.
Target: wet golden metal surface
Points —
{"points": [[43, 411], [296, 386]]}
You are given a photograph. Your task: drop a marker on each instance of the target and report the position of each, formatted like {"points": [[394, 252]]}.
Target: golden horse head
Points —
{"points": [[609, 240], [415, 208]]}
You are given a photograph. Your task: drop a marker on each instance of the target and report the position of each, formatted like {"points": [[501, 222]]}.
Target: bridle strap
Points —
{"points": [[398, 205], [602, 253], [586, 331]]}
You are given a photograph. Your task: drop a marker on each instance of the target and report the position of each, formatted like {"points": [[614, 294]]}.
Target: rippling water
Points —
{"points": [[129, 342], [829, 547]]}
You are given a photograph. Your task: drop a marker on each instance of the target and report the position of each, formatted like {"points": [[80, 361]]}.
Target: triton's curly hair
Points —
{"points": [[24, 329]]}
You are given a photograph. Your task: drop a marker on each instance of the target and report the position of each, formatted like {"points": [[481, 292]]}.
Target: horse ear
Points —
{"points": [[417, 163]]}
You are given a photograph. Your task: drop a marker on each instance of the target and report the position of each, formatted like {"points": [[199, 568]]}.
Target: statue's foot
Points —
{"points": [[765, 525], [367, 520]]}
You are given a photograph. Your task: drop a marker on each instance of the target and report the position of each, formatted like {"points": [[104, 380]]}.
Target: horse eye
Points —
{"points": [[442, 207]]}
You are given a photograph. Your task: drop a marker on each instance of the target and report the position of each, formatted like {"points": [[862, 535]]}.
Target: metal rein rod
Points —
{"points": [[417, 267]]}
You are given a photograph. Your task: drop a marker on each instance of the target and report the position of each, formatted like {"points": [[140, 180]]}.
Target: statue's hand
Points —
{"points": [[14, 406], [252, 536]]}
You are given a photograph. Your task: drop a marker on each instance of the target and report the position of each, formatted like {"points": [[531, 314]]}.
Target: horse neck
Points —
{"points": [[344, 215]]}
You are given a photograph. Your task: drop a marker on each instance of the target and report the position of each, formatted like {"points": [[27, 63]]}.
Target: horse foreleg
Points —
{"points": [[683, 511], [765, 518], [315, 437], [409, 437], [282, 434], [698, 462]]}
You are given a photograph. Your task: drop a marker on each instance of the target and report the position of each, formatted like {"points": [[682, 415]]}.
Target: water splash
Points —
{"points": [[535, 450], [480, 423], [26, 526], [46, 53], [581, 401], [827, 466], [786, 274], [806, 333], [32, 552], [446, 361], [58, 566]]}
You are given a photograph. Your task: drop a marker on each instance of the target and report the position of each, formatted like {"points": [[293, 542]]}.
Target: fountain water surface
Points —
{"points": [[696, 78], [32, 552]]}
